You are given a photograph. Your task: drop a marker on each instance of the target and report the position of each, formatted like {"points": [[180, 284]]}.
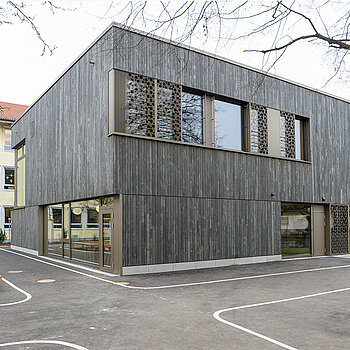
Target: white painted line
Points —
{"points": [[217, 316], [57, 342], [122, 284], [28, 296], [80, 266]]}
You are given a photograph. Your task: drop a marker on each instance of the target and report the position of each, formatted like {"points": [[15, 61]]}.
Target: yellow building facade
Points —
{"points": [[9, 113]]}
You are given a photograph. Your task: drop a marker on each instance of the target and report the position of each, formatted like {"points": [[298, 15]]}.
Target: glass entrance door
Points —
{"points": [[106, 239], [296, 229]]}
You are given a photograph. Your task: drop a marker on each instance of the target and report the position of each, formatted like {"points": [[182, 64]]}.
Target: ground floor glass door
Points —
{"points": [[296, 229]]}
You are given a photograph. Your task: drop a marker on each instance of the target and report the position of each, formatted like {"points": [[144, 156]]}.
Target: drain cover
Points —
{"points": [[48, 280], [15, 271]]}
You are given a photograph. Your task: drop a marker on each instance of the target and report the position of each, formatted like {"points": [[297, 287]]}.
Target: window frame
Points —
{"points": [[92, 225], [243, 120], [203, 100], [20, 146]]}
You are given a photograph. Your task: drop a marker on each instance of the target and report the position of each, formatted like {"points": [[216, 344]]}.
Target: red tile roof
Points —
{"points": [[11, 111]]}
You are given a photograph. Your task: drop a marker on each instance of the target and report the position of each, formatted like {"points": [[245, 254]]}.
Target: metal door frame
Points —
{"points": [[106, 210]]}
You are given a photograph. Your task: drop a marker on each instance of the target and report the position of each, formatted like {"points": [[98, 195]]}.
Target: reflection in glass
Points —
{"points": [[228, 125], [107, 201], [106, 238], [20, 182], [296, 229], [54, 230], [192, 118], [84, 239], [297, 139], [66, 223]]}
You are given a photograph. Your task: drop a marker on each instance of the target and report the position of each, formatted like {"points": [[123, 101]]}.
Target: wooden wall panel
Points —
{"points": [[154, 168], [328, 116], [25, 227], [70, 155], [173, 229]]}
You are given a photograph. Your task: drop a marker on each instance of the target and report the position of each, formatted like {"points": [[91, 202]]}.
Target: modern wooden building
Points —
{"points": [[149, 156]]}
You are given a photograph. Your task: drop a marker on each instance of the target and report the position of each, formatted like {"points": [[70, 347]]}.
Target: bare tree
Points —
{"points": [[274, 26], [12, 12]]}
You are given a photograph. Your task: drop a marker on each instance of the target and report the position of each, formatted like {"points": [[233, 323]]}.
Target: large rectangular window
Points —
{"points": [[192, 118], [228, 125], [84, 237], [20, 176]]}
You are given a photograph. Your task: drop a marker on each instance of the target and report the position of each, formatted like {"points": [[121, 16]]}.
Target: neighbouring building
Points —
{"points": [[146, 156], [9, 113]]}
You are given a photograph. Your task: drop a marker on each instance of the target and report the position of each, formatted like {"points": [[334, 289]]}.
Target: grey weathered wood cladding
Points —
{"points": [[180, 202]]}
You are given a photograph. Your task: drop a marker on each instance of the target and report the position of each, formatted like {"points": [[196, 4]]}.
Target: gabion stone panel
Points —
{"points": [[339, 229], [258, 129], [141, 106], [168, 111], [288, 140]]}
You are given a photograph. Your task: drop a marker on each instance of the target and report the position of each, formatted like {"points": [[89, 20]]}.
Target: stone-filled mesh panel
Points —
{"points": [[141, 106], [288, 139], [339, 228], [259, 113], [168, 111]]}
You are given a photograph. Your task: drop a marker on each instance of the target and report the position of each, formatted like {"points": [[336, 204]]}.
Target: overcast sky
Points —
{"points": [[25, 74]]}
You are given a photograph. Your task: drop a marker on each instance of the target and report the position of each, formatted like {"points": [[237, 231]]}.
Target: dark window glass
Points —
{"points": [[192, 118], [92, 218], [228, 125], [9, 179], [76, 217], [57, 217]]}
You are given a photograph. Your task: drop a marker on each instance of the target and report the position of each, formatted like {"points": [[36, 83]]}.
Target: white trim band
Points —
{"points": [[25, 250], [141, 269]]}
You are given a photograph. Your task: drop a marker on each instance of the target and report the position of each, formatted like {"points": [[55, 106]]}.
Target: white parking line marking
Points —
{"points": [[63, 343], [28, 296], [216, 314], [122, 284]]}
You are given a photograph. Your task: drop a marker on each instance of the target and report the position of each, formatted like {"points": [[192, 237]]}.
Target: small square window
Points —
{"points": [[9, 179]]}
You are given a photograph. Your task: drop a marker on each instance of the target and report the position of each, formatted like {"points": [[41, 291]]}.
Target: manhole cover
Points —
{"points": [[15, 271], [47, 280]]}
